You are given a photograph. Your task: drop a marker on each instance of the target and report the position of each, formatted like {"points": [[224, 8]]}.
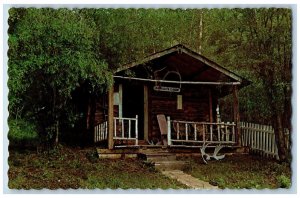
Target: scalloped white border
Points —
{"points": [[6, 4]]}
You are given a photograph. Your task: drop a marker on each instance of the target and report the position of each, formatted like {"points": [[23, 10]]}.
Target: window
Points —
{"points": [[179, 101]]}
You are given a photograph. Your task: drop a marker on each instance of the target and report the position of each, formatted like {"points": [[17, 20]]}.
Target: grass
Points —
{"points": [[242, 171], [80, 168], [22, 132]]}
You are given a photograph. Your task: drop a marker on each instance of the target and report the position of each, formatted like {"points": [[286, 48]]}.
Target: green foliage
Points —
{"points": [[22, 132], [284, 181], [255, 43], [51, 53]]}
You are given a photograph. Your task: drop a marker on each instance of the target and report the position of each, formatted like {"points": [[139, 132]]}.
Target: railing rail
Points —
{"points": [[261, 139], [100, 132], [126, 129], [189, 132]]}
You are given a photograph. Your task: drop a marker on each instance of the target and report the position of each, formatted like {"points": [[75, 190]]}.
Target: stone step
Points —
{"points": [[154, 157], [170, 165], [188, 180]]}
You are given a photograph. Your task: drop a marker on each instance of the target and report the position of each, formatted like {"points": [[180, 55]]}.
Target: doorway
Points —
{"points": [[133, 104]]}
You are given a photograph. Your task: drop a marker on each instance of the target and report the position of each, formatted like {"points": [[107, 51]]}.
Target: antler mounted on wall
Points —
{"points": [[159, 85]]}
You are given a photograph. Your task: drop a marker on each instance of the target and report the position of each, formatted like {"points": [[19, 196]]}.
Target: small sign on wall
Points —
{"points": [[179, 101], [116, 98]]}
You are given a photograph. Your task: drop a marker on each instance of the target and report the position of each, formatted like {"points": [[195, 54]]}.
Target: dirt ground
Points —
{"points": [[76, 168], [80, 168]]}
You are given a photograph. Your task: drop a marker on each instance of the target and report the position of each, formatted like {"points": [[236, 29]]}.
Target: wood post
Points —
{"points": [[236, 114], [110, 117], [120, 100], [169, 130], [146, 113], [210, 106], [136, 130]]}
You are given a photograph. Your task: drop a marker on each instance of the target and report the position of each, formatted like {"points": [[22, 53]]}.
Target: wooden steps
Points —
{"points": [[161, 154], [163, 160]]}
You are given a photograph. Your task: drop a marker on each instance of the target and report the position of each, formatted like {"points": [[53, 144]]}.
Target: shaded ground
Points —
{"points": [[76, 168], [80, 168], [242, 171]]}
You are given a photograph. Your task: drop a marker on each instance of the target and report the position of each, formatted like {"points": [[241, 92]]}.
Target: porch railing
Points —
{"points": [[188, 132], [100, 132], [126, 129]]}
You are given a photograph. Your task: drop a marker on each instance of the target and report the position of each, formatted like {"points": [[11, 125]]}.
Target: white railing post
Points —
{"points": [[186, 132], [195, 131], [136, 130], [211, 132], [219, 135], [203, 132], [177, 130], [233, 133], [129, 128], [169, 130]]}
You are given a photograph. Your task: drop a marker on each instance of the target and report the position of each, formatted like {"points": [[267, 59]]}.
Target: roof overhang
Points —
{"points": [[193, 67]]}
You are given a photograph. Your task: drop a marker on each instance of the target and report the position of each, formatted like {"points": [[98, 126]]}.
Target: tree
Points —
{"points": [[257, 44], [51, 53]]}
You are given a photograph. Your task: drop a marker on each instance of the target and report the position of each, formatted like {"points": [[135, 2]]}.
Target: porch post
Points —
{"points": [[210, 106], [146, 113], [236, 114], [120, 100], [110, 117]]}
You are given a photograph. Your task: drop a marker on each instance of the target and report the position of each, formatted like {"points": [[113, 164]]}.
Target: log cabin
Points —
{"points": [[175, 89]]}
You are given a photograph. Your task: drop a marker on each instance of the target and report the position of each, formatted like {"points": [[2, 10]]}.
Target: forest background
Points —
{"points": [[53, 52]]}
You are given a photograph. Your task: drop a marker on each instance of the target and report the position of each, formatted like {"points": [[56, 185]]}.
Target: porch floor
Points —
{"points": [[137, 151]]}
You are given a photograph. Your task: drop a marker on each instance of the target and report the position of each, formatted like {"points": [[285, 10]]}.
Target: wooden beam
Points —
{"points": [[210, 106], [236, 114], [110, 117], [120, 100], [146, 113], [179, 82]]}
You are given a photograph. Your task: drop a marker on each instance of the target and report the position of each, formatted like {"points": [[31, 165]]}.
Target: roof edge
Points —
{"points": [[184, 49]]}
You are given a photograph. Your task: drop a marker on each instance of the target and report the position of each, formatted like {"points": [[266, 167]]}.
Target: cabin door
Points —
{"points": [[133, 104]]}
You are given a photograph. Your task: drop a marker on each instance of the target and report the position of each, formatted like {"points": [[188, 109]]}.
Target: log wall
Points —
{"points": [[195, 103]]}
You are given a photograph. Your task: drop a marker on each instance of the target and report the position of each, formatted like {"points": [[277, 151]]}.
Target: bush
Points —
{"points": [[22, 133]]}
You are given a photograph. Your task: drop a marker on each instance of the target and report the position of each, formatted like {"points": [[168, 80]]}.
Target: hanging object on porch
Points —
{"points": [[159, 84]]}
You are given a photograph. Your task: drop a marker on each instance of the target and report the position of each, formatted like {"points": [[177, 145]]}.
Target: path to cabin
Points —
{"points": [[169, 165], [188, 180]]}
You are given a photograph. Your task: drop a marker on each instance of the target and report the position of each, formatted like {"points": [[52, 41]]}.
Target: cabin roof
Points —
{"points": [[188, 61], [192, 66]]}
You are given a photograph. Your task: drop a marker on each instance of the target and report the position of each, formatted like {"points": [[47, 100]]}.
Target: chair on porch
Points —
{"points": [[163, 127]]}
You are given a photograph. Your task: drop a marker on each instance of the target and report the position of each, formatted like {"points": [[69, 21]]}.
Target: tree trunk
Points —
{"points": [[55, 118], [279, 137], [276, 113], [200, 31], [57, 132], [91, 120]]}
